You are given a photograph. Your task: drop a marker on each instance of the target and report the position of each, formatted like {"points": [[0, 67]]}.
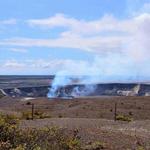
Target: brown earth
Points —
{"points": [[92, 117]]}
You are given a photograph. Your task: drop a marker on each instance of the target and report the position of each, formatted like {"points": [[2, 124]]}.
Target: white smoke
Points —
{"points": [[58, 90], [59, 81], [127, 62], [83, 91]]}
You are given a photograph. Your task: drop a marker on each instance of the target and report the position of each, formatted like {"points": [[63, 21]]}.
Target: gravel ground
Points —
{"points": [[117, 135], [92, 117]]}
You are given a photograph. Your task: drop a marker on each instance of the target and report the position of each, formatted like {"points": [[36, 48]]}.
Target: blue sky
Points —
{"points": [[102, 37], [88, 9]]}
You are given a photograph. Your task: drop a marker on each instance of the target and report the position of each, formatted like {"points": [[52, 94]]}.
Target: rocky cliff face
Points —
{"points": [[114, 89], [2, 93], [27, 91]]}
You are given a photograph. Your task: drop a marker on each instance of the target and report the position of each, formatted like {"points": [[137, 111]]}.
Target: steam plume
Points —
{"points": [[127, 63]]}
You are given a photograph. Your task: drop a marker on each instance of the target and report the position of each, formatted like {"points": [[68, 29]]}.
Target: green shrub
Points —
{"points": [[123, 118], [9, 118], [37, 115], [140, 148], [26, 115], [73, 144]]}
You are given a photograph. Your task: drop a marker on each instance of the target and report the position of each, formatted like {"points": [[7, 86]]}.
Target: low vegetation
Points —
{"points": [[95, 146], [123, 118], [14, 138], [37, 115]]}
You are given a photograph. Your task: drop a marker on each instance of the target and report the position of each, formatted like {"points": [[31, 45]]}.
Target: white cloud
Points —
{"points": [[139, 44], [128, 39], [103, 69], [13, 64], [106, 35], [94, 44], [125, 43], [49, 66], [144, 9], [59, 20], [81, 27], [8, 22], [18, 50]]}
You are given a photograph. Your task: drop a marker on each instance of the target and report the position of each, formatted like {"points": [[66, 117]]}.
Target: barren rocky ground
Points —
{"points": [[93, 118]]}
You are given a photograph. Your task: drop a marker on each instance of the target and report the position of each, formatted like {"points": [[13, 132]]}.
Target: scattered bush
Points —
{"points": [[122, 103], [123, 118], [37, 115], [83, 107], [95, 146], [140, 148], [27, 115], [73, 144], [28, 103], [139, 107], [130, 113], [14, 138], [9, 118], [60, 115]]}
